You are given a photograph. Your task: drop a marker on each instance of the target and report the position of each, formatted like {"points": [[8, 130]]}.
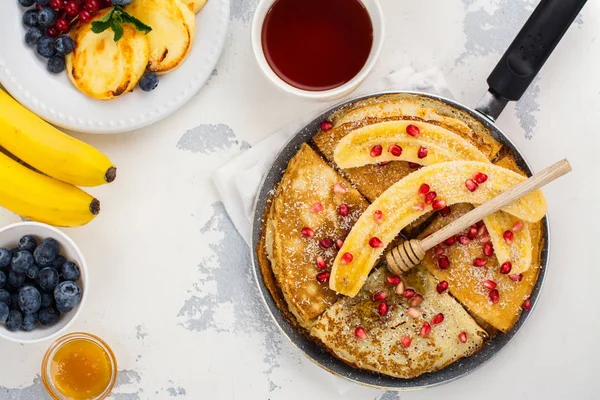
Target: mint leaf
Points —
{"points": [[139, 25], [115, 19], [117, 29]]}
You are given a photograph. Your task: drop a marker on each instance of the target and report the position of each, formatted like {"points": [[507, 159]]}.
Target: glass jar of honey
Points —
{"points": [[79, 366]]}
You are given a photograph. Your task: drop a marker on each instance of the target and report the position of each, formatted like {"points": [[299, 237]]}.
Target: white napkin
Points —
{"points": [[238, 180]]}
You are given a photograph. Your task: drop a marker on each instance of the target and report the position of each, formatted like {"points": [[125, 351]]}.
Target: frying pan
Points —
{"points": [[507, 82]]}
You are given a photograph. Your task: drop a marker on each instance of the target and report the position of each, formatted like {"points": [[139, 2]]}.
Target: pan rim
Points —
{"points": [[455, 370]]}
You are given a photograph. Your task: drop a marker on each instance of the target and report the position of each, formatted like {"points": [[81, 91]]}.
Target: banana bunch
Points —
{"points": [[50, 195]]}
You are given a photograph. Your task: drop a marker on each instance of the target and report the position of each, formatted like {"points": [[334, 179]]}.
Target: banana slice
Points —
{"points": [[102, 68], [173, 28], [195, 5], [356, 148], [518, 252], [401, 204]]}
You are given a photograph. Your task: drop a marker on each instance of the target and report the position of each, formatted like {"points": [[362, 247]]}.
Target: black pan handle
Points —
{"points": [[532, 47]]}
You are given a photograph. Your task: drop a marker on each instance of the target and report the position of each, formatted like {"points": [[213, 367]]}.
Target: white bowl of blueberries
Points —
{"points": [[43, 282]]}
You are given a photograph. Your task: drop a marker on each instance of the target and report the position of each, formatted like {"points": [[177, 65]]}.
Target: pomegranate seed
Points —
{"points": [[326, 125], [482, 231], [405, 341], [326, 243], [360, 333], [339, 188], [444, 212], [92, 5], [422, 153], [413, 165], [395, 150], [383, 163], [479, 262], [472, 234], [480, 177], [485, 239], [508, 236], [382, 309], [471, 185], [344, 210], [516, 278], [393, 280], [416, 300], [494, 296], [376, 151], [85, 16], [71, 8], [52, 32], [307, 232], [518, 226], [424, 189], [450, 241], [439, 250], [443, 262], [527, 305], [323, 276], [346, 258], [413, 131], [419, 207], [380, 296], [437, 319], [429, 197], [409, 293], [442, 287], [462, 337], [413, 312], [378, 216], [317, 207], [339, 243], [490, 284], [321, 264], [438, 204], [425, 329], [505, 268], [375, 243], [488, 249], [56, 4], [399, 289]]}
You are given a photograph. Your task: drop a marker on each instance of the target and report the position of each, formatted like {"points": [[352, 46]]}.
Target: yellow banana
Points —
{"points": [[43, 199], [49, 150]]}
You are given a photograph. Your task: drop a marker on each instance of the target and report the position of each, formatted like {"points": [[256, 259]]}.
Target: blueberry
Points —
{"points": [[149, 81], [45, 48], [5, 258], [14, 320], [56, 64], [28, 243], [48, 316], [4, 311], [15, 279], [2, 279], [30, 321], [30, 18], [26, 3], [14, 251], [70, 271], [64, 45], [48, 252], [47, 299], [46, 17], [42, 2], [21, 262], [67, 295], [48, 278], [4, 297], [33, 272], [58, 262], [33, 36], [30, 299], [120, 2], [14, 301]]}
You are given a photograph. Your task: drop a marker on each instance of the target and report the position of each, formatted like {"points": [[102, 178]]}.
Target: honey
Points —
{"points": [[79, 367]]}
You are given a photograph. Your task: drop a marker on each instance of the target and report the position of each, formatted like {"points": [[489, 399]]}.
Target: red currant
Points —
{"points": [[56, 4], [92, 5], [106, 3], [52, 32], [85, 16], [72, 8], [62, 25]]}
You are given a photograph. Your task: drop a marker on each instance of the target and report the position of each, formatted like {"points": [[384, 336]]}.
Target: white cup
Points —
{"points": [[376, 15]]}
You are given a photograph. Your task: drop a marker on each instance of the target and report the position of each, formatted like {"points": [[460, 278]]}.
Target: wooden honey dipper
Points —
{"points": [[411, 252]]}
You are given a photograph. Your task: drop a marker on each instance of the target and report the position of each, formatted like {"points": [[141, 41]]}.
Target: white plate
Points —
{"points": [[53, 97]]}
